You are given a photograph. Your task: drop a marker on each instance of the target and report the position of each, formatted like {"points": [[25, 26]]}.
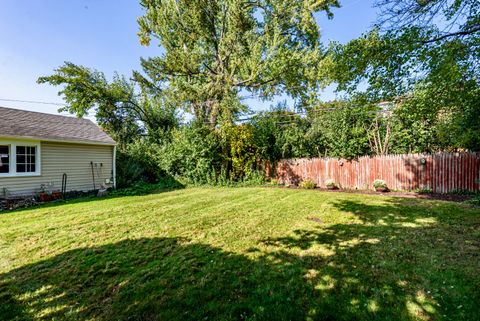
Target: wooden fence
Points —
{"points": [[441, 173]]}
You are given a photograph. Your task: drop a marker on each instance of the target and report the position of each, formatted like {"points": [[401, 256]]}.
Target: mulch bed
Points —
{"points": [[432, 196], [16, 202]]}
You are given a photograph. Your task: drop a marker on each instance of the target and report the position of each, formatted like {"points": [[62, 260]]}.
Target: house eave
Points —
{"points": [[57, 140]]}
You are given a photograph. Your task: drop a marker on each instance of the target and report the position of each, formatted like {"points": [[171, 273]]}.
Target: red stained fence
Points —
{"points": [[441, 173]]}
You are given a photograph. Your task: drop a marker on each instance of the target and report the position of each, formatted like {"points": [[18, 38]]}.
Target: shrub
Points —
{"points": [[308, 184], [142, 188], [463, 192], [330, 183], [129, 170], [424, 190], [379, 183], [254, 178], [474, 201], [194, 155], [138, 163], [220, 179], [273, 182], [242, 154]]}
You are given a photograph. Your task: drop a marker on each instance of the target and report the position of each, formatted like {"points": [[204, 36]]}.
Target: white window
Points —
{"points": [[4, 159], [26, 159], [19, 158]]}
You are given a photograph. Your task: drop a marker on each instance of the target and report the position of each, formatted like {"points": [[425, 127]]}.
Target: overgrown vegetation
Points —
{"points": [[378, 183], [408, 85], [330, 184], [142, 188], [307, 184], [475, 200], [249, 253]]}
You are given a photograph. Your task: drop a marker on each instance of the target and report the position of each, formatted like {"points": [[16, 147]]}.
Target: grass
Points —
{"points": [[242, 253]]}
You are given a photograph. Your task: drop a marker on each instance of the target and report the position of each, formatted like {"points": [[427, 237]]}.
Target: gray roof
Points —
{"points": [[29, 124]]}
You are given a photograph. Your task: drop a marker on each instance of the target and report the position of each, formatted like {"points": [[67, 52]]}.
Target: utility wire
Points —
{"points": [[292, 114], [314, 111], [32, 102], [251, 114]]}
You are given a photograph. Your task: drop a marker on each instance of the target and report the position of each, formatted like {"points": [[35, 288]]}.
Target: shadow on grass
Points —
{"points": [[153, 279], [392, 263], [400, 260]]}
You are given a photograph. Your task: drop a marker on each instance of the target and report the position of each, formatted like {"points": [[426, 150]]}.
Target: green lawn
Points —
{"points": [[242, 253]]}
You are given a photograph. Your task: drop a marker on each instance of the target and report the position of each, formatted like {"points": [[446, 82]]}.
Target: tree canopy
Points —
{"points": [[213, 51], [124, 109], [433, 43], [410, 84]]}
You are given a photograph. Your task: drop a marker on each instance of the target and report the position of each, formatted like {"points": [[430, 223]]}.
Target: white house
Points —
{"points": [[37, 149]]}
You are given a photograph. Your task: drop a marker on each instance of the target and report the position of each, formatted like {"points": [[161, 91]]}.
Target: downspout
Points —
{"points": [[114, 168]]}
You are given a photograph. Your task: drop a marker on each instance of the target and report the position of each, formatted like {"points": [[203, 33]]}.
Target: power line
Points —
{"points": [[289, 113], [251, 114], [32, 102]]}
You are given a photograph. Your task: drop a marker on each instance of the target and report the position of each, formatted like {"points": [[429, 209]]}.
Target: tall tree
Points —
{"points": [[425, 54], [215, 50], [122, 108], [433, 42], [452, 18]]}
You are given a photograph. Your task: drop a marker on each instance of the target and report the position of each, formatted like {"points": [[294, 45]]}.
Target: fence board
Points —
{"points": [[441, 172]]}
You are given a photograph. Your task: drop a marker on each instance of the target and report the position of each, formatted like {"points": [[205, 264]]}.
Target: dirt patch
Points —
{"points": [[315, 219]]}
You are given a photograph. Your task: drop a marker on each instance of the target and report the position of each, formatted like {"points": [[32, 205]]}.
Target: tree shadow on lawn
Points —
{"points": [[390, 264], [153, 279], [397, 261]]}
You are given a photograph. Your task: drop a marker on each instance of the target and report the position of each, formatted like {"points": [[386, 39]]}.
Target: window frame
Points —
{"points": [[12, 144], [9, 158]]}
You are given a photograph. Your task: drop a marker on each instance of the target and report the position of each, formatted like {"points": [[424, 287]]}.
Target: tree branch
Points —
{"points": [[453, 34]]}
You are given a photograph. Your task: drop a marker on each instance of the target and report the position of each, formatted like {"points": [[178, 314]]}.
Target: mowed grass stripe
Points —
{"points": [[241, 253]]}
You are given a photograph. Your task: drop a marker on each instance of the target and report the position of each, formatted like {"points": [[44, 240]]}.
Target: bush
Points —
{"points": [[474, 201], [308, 184], [243, 154], [464, 192], [273, 182], [424, 190], [138, 163], [254, 178], [142, 188], [379, 183], [129, 170], [330, 183], [193, 156]]}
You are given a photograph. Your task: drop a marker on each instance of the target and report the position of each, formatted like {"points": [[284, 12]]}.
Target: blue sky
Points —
{"points": [[38, 36]]}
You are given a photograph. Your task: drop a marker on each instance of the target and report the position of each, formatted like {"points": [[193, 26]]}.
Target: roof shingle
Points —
{"points": [[29, 124]]}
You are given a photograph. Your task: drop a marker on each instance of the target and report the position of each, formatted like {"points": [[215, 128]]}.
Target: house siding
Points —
{"points": [[59, 158]]}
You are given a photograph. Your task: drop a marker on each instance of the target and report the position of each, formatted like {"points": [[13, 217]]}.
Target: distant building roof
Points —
{"points": [[34, 125]]}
